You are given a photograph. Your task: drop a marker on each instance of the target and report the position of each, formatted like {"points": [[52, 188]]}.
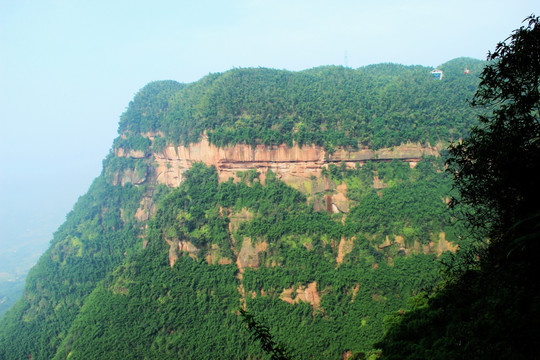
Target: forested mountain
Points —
{"points": [[316, 200]]}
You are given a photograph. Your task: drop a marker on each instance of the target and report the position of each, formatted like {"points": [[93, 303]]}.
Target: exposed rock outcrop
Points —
{"points": [[308, 294], [236, 218], [293, 164], [249, 254], [213, 256], [438, 246], [299, 167], [345, 246], [129, 176], [176, 246]]}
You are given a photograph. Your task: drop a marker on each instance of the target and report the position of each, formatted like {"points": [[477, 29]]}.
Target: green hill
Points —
{"points": [[117, 284]]}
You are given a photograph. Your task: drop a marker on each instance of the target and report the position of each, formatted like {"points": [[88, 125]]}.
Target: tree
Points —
{"points": [[489, 308], [497, 169], [261, 333]]}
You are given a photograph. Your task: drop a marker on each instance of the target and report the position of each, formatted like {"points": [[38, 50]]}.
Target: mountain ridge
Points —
{"points": [[145, 258], [271, 107]]}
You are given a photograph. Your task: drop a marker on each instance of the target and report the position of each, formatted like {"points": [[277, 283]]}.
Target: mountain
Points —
{"points": [[317, 200]]}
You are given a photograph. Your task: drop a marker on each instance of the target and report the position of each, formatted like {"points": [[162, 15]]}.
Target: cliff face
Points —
{"points": [[292, 164], [299, 167]]}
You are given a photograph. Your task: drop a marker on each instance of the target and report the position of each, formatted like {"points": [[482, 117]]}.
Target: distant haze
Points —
{"points": [[69, 68]]}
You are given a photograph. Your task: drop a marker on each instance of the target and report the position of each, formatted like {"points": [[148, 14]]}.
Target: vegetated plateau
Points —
{"points": [[317, 200]]}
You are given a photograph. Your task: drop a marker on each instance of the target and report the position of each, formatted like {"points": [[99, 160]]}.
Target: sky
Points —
{"points": [[68, 69]]}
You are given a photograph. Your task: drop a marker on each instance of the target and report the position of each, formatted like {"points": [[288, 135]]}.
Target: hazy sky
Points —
{"points": [[68, 69]]}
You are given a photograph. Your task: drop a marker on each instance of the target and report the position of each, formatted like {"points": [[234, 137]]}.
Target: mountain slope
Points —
{"points": [[142, 270]]}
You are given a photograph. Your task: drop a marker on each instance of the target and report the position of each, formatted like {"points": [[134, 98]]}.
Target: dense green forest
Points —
{"points": [[377, 106], [106, 288], [191, 310], [96, 289]]}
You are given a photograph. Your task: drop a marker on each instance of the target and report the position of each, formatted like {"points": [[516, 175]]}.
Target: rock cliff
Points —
{"points": [[299, 167]]}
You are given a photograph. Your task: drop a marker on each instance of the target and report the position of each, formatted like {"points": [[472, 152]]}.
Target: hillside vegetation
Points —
{"points": [[376, 106], [115, 285]]}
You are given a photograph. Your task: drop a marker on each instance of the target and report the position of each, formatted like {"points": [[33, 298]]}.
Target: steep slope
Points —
{"points": [[320, 203], [163, 303]]}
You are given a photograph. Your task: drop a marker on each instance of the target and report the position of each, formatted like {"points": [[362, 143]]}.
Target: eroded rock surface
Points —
{"points": [[299, 167], [308, 294], [249, 254]]}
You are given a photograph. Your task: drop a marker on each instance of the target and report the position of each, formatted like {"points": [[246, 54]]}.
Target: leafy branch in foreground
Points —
{"points": [[261, 333], [495, 170], [490, 310]]}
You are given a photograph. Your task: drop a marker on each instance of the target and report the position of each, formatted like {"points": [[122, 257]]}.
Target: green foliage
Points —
{"points": [[96, 293], [496, 166], [84, 249], [377, 106], [145, 309], [159, 144], [148, 107], [135, 142], [261, 333], [10, 292], [411, 205], [489, 307]]}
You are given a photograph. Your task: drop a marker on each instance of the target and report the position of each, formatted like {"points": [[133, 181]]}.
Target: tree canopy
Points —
{"points": [[490, 308], [377, 106], [495, 169]]}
